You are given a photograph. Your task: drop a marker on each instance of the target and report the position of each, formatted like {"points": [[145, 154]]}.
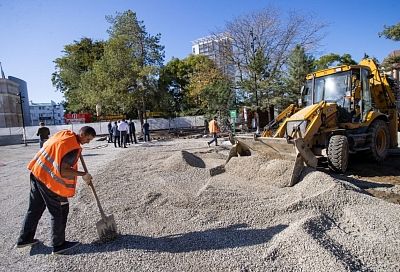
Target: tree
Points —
{"points": [[119, 73], [298, 66], [174, 79], [148, 56], [391, 32], [79, 58], [332, 59], [107, 83], [196, 85], [208, 87], [269, 33]]}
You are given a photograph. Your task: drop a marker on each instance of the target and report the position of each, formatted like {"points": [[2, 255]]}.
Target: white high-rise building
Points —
{"points": [[217, 48]]}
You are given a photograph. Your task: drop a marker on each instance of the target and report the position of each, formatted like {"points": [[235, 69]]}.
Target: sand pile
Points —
{"points": [[174, 216]]}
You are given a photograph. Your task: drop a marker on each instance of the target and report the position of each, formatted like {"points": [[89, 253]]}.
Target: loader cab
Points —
{"points": [[347, 86]]}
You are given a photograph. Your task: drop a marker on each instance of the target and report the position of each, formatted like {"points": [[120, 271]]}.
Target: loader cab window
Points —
{"points": [[307, 93], [366, 100], [331, 88]]}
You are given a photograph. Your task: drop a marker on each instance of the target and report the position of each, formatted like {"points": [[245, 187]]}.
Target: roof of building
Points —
{"points": [[210, 38]]}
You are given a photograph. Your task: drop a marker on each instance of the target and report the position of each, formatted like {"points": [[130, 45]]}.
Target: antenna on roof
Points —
{"points": [[2, 72]]}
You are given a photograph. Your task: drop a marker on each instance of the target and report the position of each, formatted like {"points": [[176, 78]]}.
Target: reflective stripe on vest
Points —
{"points": [[52, 174], [43, 152]]}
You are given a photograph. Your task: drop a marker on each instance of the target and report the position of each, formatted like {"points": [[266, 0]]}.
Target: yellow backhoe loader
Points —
{"points": [[345, 109]]}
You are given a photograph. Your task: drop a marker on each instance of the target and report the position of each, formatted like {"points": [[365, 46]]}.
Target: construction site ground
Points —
{"points": [[173, 214]]}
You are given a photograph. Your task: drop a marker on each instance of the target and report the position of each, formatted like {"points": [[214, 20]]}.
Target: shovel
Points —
{"points": [[106, 227]]}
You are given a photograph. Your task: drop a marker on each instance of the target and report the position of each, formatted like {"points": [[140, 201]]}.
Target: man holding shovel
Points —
{"points": [[53, 177]]}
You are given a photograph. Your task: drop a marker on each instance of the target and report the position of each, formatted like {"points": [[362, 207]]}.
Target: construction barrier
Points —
{"points": [[102, 129]]}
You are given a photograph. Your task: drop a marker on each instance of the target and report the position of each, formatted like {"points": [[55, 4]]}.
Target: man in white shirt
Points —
{"points": [[123, 128]]}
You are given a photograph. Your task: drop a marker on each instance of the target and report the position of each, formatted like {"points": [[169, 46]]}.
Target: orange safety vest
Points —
{"points": [[46, 165], [213, 126]]}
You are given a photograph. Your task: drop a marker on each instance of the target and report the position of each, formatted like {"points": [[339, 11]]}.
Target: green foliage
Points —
{"points": [[346, 59], [107, 83], [120, 73], [332, 59], [145, 48], [79, 58], [391, 32], [298, 66], [195, 85], [391, 61], [174, 80]]}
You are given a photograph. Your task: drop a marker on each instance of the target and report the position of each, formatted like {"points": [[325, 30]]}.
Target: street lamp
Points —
{"points": [[22, 114]]}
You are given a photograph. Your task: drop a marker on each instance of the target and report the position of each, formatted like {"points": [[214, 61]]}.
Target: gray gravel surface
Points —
{"points": [[173, 215]]}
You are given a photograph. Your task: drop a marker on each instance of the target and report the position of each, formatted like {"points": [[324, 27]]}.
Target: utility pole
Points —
{"points": [[254, 59], [22, 114]]}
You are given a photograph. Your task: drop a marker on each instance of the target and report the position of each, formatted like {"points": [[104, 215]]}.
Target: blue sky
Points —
{"points": [[33, 32]]}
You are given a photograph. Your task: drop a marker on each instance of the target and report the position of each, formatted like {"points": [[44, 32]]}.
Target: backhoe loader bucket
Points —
{"points": [[276, 148]]}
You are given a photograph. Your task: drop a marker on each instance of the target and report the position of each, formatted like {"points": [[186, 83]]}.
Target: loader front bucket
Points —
{"points": [[276, 148]]}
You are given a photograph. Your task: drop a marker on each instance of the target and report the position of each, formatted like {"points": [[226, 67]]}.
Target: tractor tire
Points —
{"points": [[338, 153], [379, 140]]}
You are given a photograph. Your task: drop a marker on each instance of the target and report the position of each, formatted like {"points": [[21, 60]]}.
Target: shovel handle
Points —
{"points": [[103, 215]]}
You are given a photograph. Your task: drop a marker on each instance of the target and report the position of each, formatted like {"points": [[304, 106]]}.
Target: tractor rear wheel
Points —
{"points": [[379, 140], [338, 153]]}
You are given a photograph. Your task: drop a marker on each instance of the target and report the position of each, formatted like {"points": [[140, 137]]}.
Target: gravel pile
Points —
{"points": [[173, 215]]}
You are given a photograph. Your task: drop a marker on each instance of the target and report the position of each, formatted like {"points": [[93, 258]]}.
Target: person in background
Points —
{"points": [[110, 133], [146, 131], [53, 178], [128, 134], [116, 135], [123, 129], [44, 133], [132, 131], [214, 129]]}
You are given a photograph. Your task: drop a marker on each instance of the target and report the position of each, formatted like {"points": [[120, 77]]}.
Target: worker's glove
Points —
{"points": [[87, 178]]}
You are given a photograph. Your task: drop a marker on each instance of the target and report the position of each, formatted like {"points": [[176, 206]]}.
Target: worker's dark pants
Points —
{"points": [[147, 136], [110, 137], [41, 142], [40, 197], [133, 137], [214, 139], [123, 138], [117, 140]]}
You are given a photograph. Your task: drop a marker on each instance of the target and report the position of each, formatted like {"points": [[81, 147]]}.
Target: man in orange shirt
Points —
{"points": [[54, 172], [214, 129]]}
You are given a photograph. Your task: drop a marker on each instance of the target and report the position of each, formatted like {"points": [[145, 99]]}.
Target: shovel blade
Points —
{"points": [[107, 228]]}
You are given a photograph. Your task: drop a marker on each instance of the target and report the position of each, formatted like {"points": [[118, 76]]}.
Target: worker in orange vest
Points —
{"points": [[214, 130], [54, 172]]}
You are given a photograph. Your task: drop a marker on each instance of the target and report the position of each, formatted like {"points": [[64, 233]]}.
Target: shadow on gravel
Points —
{"points": [[361, 183], [91, 155], [233, 236], [40, 249]]}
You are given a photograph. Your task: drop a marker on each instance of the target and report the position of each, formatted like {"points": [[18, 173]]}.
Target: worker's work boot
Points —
{"points": [[25, 243], [62, 249]]}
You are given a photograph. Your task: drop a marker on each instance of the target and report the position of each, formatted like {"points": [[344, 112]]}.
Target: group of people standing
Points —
{"points": [[122, 133]]}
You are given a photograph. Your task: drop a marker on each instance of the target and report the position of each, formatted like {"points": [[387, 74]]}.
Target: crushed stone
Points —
{"points": [[172, 215]]}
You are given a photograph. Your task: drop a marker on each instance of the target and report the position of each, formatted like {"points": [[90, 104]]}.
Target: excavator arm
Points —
{"points": [[272, 126]]}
